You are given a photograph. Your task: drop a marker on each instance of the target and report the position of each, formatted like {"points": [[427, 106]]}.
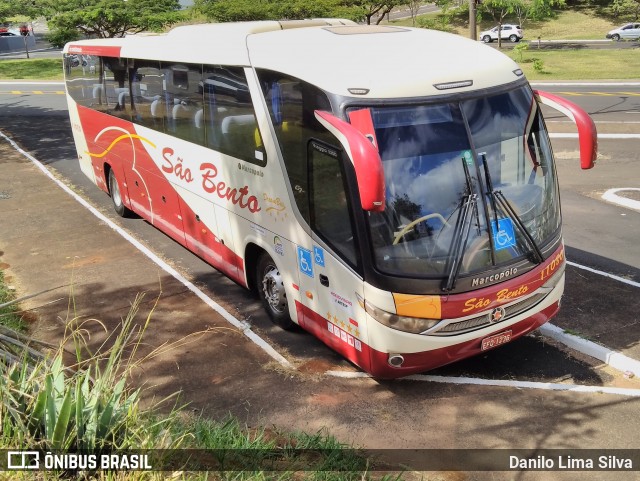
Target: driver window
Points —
{"points": [[329, 209]]}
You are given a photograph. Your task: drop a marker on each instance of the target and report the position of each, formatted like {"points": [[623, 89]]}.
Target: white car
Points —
{"points": [[630, 31], [513, 33]]}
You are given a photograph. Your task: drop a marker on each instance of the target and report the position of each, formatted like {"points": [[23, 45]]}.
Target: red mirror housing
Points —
{"points": [[364, 157], [587, 133]]}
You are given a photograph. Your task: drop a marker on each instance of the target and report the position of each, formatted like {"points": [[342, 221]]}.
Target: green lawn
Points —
{"points": [[587, 64], [31, 69]]}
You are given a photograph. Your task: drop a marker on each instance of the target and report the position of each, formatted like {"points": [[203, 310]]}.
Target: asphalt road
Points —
{"points": [[598, 234]]}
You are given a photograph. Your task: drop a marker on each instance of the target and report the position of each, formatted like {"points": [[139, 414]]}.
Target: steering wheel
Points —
{"points": [[407, 227]]}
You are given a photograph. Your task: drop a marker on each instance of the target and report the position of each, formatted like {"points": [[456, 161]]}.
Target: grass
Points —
{"points": [[587, 64], [31, 69], [85, 405], [9, 313], [571, 25]]}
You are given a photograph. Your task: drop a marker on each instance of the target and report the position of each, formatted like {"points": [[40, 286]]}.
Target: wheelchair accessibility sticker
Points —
{"points": [[305, 261], [318, 255], [503, 234]]}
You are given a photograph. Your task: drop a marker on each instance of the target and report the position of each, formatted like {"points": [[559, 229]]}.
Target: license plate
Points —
{"points": [[496, 340]]}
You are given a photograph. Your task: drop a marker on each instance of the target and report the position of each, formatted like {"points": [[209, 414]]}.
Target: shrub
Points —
{"points": [[58, 38]]}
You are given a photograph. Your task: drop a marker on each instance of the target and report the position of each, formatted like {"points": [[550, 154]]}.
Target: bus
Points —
{"points": [[390, 190]]}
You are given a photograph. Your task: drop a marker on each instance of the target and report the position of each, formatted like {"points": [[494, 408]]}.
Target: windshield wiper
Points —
{"points": [[461, 231], [497, 197]]}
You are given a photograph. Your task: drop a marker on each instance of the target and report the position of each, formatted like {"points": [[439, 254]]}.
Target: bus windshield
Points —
{"points": [[469, 184]]}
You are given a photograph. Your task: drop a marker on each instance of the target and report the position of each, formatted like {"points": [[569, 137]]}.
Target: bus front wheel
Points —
{"points": [[116, 197], [271, 290]]}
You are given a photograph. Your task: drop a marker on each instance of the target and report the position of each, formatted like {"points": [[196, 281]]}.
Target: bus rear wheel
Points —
{"points": [[116, 197], [270, 286]]}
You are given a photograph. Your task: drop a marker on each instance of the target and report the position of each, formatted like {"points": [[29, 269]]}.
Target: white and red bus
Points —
{"points": [[390, 190]]}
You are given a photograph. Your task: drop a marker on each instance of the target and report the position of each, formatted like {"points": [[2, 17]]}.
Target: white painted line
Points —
{"points": [[242, 326], [612, 196], [605, 274], [547, 386]]}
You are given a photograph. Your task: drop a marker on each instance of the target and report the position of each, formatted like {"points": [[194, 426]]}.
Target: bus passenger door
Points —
{"points": [[332, 257]]}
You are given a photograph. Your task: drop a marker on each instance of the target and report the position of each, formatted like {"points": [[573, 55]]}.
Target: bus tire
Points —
{"points": [[270, 287], [116, 196]]}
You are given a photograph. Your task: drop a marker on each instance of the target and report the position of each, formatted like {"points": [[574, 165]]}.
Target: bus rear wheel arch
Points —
{"points": [[271, 290], [116, 194]]}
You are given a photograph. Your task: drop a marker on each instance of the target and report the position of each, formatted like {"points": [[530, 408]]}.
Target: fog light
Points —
{"points": [[395, 360]]}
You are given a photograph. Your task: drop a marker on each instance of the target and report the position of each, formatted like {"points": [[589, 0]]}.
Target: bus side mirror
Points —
{"points": [[365, 159], [587, 133]]}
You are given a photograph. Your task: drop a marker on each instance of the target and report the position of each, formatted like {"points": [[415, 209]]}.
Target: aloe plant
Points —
{"points": [[85, 408]]}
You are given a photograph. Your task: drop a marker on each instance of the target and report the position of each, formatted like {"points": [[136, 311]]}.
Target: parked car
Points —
{"points": [[513, 33], [8, 34], [630, 31]]}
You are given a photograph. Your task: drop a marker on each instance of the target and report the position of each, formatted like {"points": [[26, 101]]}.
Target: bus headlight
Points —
{"points": [[414, 325]]}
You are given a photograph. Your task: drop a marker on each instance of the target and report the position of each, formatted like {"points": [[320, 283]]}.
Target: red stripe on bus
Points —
{"points": [[102, 50]]}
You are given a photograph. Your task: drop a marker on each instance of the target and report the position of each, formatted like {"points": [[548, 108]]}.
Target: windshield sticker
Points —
{"points": [[468, 157], [503, 234], [305, 262], [278, 246]]}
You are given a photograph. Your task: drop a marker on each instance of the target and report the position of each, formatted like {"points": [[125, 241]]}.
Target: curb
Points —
{"points": [[614, 359]]}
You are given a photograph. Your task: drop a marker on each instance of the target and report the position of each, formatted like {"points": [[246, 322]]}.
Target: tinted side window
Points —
{"points": [[149, 108], [83, 76], [229, 118], [291, 103], [183, 97], [329, 208], [115, 85]]}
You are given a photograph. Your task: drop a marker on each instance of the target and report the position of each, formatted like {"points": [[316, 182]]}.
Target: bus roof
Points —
{"points": [[336, 55]]}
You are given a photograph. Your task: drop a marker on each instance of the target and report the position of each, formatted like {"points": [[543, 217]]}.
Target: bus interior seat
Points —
{"points": [[198, 118], [180, 111], [229, 123]]}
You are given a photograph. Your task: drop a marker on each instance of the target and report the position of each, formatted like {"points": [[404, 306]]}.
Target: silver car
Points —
{"points": [[630, 31]]}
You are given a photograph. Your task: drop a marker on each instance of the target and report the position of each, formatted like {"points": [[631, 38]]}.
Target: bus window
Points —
{"points": [[183, 95], [292, 104], [114, 85], [84, 79], [229, 118], [330, 216], [147, 91]]}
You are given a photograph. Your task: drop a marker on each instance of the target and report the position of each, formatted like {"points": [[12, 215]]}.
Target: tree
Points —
{"points": [[414, 6], [9, 8], [244, 10], [621, 8], [536, 9], [377, 9], [110, 18]]}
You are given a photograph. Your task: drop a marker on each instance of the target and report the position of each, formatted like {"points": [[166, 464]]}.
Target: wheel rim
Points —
{"points": [[273, 289], [115, 190]]}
